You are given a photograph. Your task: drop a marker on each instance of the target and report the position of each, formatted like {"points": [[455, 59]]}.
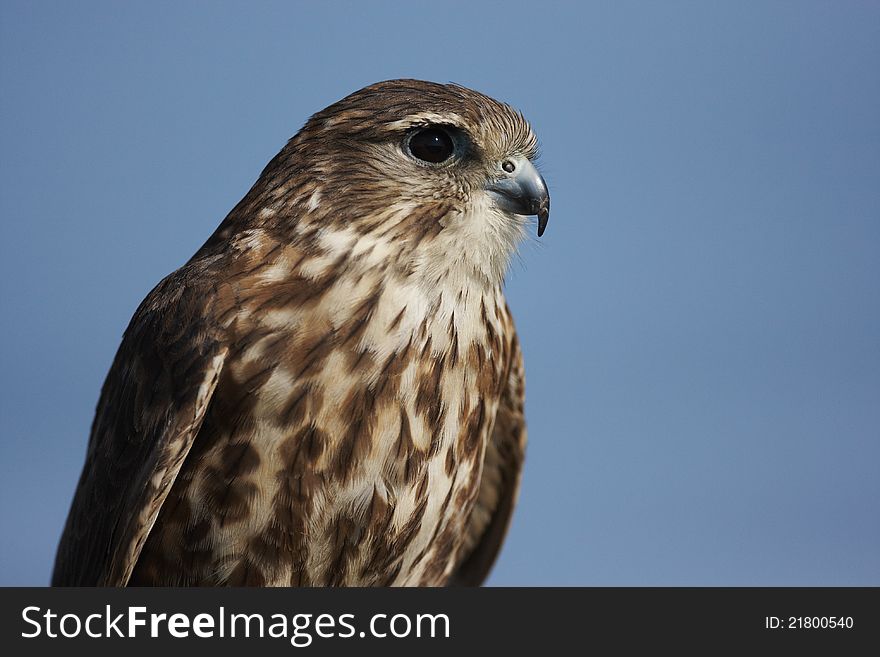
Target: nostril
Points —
{"points": [[508, 166]]}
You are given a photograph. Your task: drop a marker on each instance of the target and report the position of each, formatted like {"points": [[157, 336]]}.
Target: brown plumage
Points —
{"points": [[330, 392]]}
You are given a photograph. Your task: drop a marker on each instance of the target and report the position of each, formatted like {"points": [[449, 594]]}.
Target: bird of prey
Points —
{"points": [[330, 391]]}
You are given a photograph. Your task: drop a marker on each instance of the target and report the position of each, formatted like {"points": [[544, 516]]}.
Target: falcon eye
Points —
{"points": [[431, 145]]}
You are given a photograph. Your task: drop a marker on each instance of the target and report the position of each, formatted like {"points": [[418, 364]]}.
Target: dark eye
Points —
{"points": [[432, 145]]}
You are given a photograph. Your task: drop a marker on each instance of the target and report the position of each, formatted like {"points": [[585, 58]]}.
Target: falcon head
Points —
{"points": [[437, 173]]}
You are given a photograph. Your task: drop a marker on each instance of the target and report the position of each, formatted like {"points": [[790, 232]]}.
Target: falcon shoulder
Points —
{"points": [[149, 412], [500, 480]]}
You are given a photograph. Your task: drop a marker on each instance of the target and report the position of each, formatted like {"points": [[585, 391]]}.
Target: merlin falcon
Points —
{"points": [[330, 392]]}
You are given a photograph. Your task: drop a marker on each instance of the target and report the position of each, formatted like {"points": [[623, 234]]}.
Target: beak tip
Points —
{"points": [[543, 218]]}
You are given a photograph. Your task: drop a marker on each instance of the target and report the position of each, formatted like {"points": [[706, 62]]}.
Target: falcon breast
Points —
{"points": [[330, 392]]}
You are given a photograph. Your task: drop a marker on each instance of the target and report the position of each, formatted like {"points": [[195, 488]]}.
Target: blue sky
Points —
{"points": [[701, 321]]}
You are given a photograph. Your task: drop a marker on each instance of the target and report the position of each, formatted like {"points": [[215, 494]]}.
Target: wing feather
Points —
{"points": [[500, 480], [150, 410]]}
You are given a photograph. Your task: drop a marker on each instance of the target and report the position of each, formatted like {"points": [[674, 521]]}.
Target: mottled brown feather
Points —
{"points": [[151, 408], [499, 487]]}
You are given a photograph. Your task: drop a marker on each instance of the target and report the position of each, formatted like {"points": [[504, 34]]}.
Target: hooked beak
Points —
{"points": [[522, 190]]}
